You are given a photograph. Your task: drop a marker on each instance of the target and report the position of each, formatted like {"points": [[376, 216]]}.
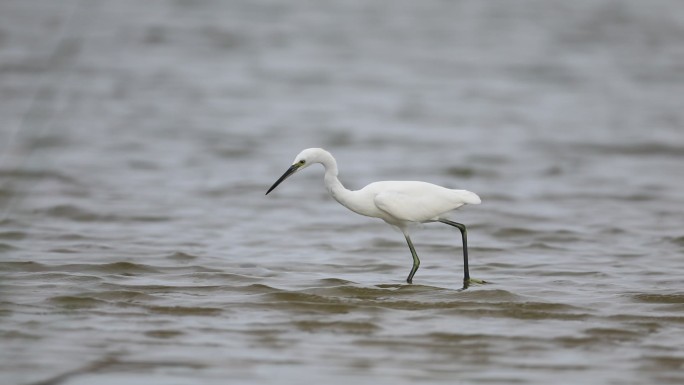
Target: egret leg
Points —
{"points": [[464, 235], [416, 261]]}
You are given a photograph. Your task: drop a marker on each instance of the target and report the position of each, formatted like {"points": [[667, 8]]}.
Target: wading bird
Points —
{"points": [[399, 203]]}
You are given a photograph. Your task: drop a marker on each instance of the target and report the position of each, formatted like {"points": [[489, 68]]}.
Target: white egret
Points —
{"points": [[399, 203]]}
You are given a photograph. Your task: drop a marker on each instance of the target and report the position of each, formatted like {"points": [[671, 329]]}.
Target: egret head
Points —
{"points": [[303, 160]]}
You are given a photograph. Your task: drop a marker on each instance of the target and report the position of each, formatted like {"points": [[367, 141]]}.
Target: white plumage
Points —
{"points": [[398, 203], [413, 201]]}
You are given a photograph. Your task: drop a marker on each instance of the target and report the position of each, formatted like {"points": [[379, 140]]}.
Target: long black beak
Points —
{"points": [[289, 172]]}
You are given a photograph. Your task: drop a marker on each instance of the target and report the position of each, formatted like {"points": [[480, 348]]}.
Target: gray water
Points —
{"points": [[139, 138]]}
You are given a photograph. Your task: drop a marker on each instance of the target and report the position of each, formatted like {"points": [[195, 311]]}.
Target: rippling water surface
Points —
{"points": [[138, 139]]}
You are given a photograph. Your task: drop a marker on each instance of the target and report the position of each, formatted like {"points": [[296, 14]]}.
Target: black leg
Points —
{"points": [[416, 261], [464, 235]]}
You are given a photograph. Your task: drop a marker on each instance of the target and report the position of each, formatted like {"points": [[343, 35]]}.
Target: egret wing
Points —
{"points": [[418, 205]]}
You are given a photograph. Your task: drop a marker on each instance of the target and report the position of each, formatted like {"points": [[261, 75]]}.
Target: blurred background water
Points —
{"points": [[138, 139]]}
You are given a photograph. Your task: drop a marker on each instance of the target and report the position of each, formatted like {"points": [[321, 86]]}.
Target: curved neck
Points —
{"points": [[332, 184]]}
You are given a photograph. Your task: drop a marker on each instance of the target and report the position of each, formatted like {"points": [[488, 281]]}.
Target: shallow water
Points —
{"points": [[138, 139]]}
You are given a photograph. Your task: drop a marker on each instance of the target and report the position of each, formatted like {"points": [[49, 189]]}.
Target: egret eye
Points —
{"points": [[302, 162]]}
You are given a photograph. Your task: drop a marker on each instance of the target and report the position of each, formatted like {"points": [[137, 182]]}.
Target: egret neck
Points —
{"points": [[333, 184]]}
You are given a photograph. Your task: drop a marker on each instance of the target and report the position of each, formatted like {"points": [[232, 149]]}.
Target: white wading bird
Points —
{"points": [[397, 203]]}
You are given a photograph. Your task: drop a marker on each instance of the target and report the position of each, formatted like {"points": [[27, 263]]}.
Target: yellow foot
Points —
{"points": [[472, 281], [476, 281]]}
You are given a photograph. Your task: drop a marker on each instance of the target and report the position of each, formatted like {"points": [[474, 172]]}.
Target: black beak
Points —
{"points": [[289, 172]]}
